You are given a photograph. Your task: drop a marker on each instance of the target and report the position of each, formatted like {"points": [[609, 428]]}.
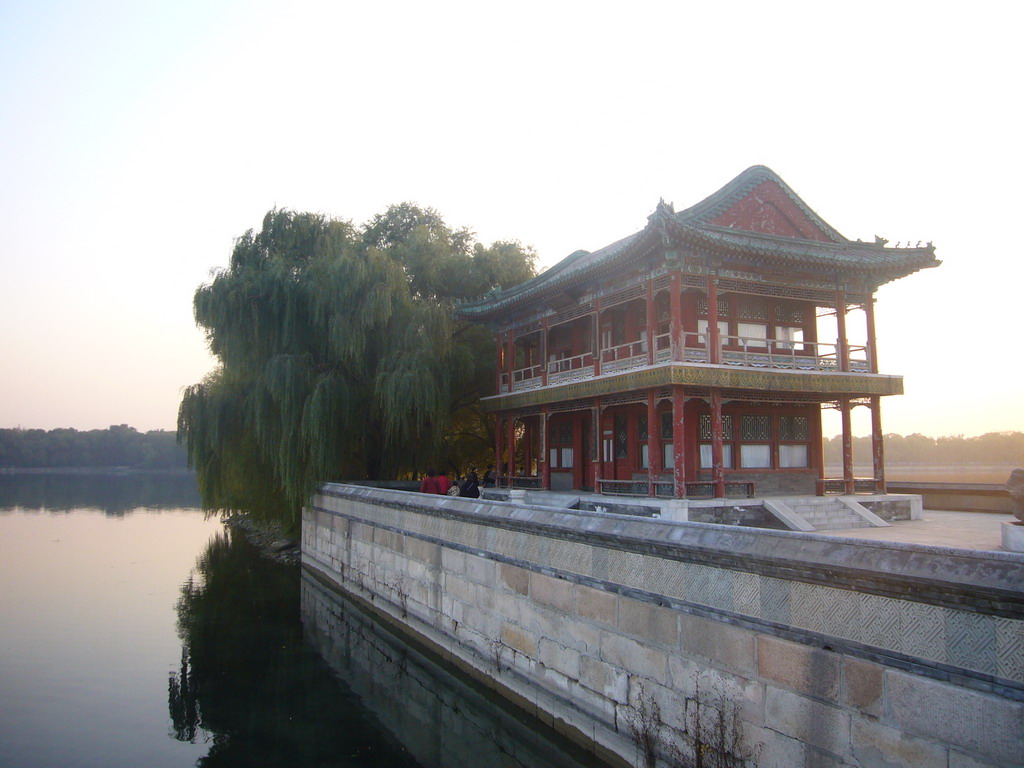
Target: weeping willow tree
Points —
{"points": [[340, 356]]}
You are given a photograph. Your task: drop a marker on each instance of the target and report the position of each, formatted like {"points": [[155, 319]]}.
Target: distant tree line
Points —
{"points": [[954, 450], [116, 446]]}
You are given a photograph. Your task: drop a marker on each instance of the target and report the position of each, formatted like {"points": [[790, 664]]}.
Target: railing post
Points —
{"points": [[715, 351]]}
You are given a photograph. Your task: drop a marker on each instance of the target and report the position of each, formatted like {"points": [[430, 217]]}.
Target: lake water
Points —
{"points": [[136, 632]]}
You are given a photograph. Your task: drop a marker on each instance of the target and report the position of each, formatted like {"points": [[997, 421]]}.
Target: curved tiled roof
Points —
{"points": [[694, 226]]}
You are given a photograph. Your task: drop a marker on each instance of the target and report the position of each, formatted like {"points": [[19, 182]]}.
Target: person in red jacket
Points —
{"points": [[443, 483], [432, 483]]}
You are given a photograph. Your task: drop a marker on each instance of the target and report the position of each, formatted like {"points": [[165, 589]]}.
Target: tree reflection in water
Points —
{"points": [[277, 669], [248, 683]]}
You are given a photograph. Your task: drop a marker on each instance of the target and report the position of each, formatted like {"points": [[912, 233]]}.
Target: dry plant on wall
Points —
{"points": [[645, 727], [712, 734]]}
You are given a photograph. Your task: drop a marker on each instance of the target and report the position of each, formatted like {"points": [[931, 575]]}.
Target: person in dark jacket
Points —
{"points": [[471, 487]]}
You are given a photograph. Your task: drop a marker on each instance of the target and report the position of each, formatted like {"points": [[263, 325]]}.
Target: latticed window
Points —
{"points": [[643, 427], [752, 309], [789, 313], [755, 427], [702, 305], [564, 434], [794, 428], [621, 438], [704, 426], [666, 425]]}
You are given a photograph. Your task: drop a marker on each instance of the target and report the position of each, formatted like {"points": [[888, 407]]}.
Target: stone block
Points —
{"points": [[609, 681], [989, 726], [730, 646], [716, 685], [669, 703], [649, 622], [554, 679], [809, 671], [812, 722], [558, 657], [500, 604], [960, 760], [862, 685], [424, 551], [594, 703], [596, 604], [555, 593], [875, 744], [514, 578], [453, 560], [480, 569], [460, 588], [519, 639], [772, 749], [638, 658]]}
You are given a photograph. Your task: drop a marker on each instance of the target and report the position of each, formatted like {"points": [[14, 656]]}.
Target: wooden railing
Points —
{"points": [[837, 485], [740, 351], [575, 367], [632, 354]]}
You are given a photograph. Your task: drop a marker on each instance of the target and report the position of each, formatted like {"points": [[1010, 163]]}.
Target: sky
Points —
{"points": [[138, 140]]}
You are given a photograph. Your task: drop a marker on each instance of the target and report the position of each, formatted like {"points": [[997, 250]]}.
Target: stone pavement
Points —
{"points": [[963, 530]]}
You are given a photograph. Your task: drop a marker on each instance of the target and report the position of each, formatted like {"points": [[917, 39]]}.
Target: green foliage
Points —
{"points": [[340, 356]]}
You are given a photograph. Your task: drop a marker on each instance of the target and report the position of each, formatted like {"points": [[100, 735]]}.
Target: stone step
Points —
{"points": [[840, 525]]}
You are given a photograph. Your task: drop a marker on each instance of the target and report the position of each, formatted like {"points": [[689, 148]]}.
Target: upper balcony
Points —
{"points": [[735, 351]]}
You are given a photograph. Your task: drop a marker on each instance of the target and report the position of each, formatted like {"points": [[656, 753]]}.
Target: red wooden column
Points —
{"points": [[678, 443], [653, 444], [511, 435], [869, 315], [510, 359], [499, 464], [844, 346], [877, 446], [527, 449], [675, 305], [499, 360], [844, 408], [717, 472], [544, 352], [542, 447], [597, 336], [598, 443], [652, 322], [818, 451], [715, 351], [579, 479]]}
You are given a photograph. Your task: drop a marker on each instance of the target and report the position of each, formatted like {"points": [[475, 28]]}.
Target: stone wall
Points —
{"points": [[833, 653]]}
